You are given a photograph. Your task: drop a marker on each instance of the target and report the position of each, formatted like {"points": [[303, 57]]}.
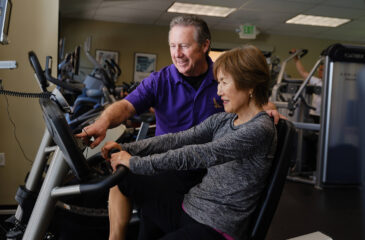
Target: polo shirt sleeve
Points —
{"points": [[143, 97]]}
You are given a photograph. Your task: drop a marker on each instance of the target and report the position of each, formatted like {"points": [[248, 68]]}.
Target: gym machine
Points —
{"points": [[360, 109], [339, 161], [46, 185], [338, 157], [291, 96]]}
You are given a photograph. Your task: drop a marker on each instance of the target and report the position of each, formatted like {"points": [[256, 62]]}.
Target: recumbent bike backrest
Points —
{"points": [[265, 210]]}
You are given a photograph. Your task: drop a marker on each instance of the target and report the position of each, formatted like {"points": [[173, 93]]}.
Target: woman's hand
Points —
{"points": [[118, 158], [108, 146]]}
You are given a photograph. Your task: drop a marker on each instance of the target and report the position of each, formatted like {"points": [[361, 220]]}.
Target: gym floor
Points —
{"points": [[336, 212]]}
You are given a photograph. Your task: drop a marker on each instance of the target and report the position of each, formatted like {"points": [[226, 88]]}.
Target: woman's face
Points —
{"points": [[234, 100]]}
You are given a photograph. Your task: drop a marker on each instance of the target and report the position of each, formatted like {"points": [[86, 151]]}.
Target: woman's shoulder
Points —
{"points": [[221, 116], [263, 118], [262, 122]]}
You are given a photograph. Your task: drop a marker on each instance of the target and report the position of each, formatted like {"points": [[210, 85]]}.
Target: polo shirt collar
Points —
{"points": [[177, 77]]}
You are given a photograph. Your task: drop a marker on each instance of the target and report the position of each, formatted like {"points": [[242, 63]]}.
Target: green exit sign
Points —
{"points": [[248, 29]]}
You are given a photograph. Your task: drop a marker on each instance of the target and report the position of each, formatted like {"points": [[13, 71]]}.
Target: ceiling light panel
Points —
{"points": [[199, 9], [317, 20]]}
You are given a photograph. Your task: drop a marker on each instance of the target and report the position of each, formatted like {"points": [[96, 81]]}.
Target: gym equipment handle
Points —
{"points": [[301, 52], [108, 182]]}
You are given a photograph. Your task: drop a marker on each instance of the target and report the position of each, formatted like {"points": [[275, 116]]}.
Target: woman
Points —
{"points": [[236, 147]]}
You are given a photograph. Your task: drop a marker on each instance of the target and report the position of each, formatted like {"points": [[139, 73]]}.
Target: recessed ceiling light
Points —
{"points": [[199, 9], [317, 20]]}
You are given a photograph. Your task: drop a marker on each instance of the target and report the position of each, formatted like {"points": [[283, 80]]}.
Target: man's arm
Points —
{"points": [[298, 64], [300, 68], [111, 117]]}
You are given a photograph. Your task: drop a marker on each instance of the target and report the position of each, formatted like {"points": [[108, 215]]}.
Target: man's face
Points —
{"points": [[186, 53]]}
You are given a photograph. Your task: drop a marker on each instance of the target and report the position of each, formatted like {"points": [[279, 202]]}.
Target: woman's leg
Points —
{"points": [[189, 229], [119, 214]]}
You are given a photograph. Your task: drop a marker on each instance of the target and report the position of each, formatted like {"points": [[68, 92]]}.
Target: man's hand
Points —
{"points": [[292, 51], [97, 130], [271, 110], [276, 115]]}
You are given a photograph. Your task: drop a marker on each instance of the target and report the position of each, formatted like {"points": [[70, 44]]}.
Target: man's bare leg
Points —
{"points": [[120, 210]]}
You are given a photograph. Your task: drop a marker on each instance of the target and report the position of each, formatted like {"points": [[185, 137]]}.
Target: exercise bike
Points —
{"points": [[40, 195]]}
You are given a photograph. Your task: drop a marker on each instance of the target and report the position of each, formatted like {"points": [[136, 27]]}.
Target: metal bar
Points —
{"points": [[307, 126], [283, 66], [304, 84], [325, 118], [65, 191], [45, 204], [36, 172], [142, 133]]}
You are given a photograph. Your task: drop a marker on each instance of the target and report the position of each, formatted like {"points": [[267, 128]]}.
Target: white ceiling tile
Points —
{"points": [[340, 12], [126, 12], [278, 6], [291, 28], [165, 18], [124, 19], [356, 4], [225, 3], [267, 15], [78, 7], [160, 5]]}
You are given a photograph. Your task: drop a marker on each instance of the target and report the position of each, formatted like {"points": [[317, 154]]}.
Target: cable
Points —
{"points": [[14, 131], [26, 95]]}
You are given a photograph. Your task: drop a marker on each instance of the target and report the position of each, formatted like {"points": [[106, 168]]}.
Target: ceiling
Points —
{"points": [[268, 15]]}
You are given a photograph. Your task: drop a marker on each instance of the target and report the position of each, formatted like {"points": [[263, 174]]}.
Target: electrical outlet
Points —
{"points": [[2, 159]]}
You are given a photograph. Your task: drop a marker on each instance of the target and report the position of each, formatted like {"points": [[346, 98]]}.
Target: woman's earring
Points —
{"points": [[250, 95]]}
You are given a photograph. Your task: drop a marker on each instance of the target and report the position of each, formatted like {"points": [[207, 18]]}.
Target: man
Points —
{"points": [[316, 81], [183, 94], [311, 137]]}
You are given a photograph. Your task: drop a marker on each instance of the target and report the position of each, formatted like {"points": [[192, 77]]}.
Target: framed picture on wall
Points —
{"points": [[144, 65], [102, 55]]}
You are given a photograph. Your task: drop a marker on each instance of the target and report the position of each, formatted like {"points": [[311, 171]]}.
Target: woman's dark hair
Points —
{"points": [[249, 69]]}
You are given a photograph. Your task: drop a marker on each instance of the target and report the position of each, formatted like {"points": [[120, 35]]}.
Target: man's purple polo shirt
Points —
{"points": [[178, 106]]}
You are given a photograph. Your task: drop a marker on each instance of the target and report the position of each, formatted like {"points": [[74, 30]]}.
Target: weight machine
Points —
{"points": [[339, 161], [291, 97]]}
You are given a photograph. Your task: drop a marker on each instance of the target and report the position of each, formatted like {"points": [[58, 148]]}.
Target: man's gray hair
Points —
{"points": [[202, 32]]}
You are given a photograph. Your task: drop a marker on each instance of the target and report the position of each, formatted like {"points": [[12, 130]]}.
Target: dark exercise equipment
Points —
{"points": [[68, 156], [265, 210], [37, 200]]}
